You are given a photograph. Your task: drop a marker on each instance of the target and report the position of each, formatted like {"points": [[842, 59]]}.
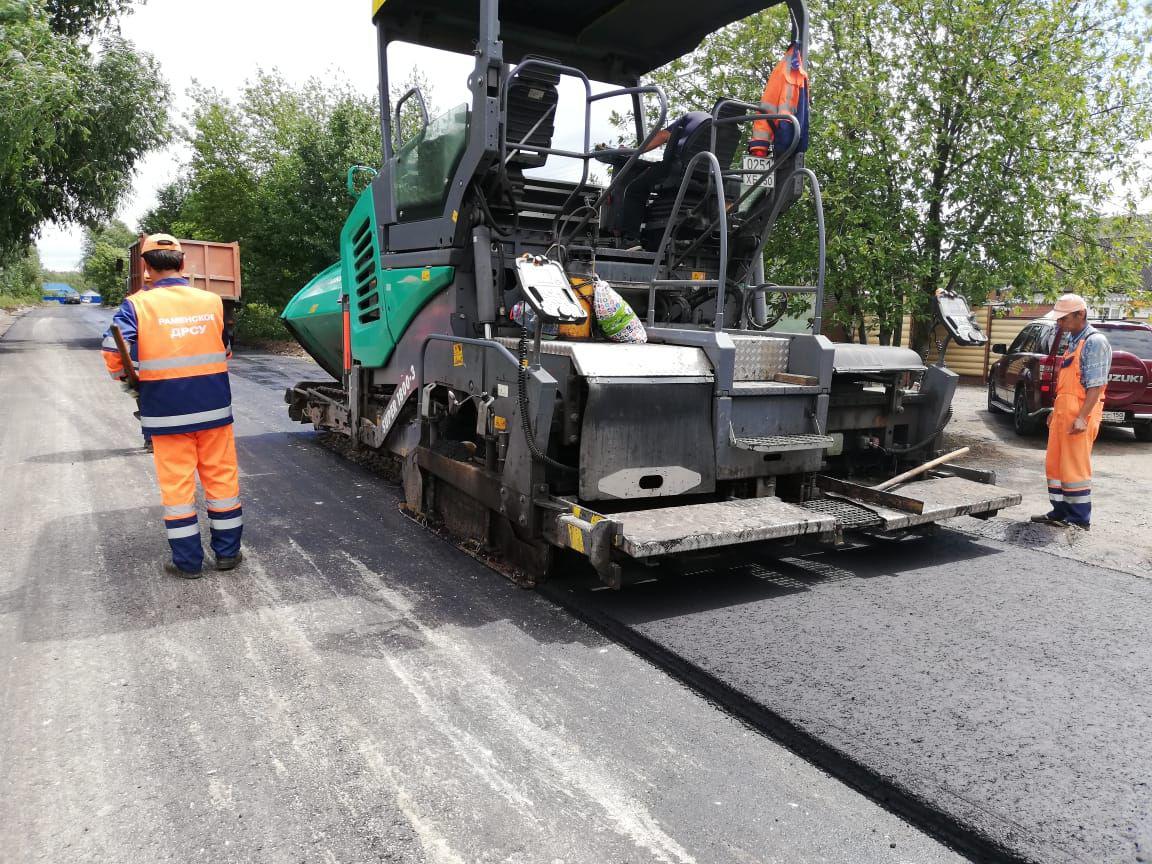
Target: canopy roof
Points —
{"points": [[609, 40]]}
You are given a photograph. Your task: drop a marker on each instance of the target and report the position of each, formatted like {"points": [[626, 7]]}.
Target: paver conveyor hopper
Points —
{"points": [[716, 433]]}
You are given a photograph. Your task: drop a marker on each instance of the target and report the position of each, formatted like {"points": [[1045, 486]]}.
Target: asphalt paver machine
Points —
{"points": [[717, 434]]}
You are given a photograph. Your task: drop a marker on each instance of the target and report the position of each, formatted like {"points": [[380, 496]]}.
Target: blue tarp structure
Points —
{"points": [[58, 292]]}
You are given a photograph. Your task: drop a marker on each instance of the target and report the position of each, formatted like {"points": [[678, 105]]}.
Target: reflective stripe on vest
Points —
{"points": [[183, 362], [185, 419]]}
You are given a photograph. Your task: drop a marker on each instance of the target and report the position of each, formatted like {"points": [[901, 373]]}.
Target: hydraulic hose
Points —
{"points": [[522, 401]]}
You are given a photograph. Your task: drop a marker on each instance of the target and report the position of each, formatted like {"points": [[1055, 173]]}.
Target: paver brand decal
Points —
{"points": [[403, 391]]}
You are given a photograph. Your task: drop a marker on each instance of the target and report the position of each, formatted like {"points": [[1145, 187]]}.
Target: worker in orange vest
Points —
{"points": [[1075, 419], [785, 93], [177, 338]]}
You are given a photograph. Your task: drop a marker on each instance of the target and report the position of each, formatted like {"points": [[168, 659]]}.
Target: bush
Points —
{"points": [[20, 280], [259, 322]]}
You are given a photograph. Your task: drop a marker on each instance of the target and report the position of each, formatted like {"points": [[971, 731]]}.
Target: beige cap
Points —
{"points": [[160, 243], [1066, 305]]}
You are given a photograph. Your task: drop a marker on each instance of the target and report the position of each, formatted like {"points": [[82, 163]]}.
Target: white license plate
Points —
{"points": [[758, 163], [1113, 417]]}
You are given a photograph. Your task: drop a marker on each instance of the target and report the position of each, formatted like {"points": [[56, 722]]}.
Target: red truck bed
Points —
{"points": [[209, 265]]}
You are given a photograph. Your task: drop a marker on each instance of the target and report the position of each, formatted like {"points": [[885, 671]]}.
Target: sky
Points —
{"points": [[222, 44]]}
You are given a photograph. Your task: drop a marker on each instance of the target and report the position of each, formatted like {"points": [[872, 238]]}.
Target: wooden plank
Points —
{"points": [[802, 380]]}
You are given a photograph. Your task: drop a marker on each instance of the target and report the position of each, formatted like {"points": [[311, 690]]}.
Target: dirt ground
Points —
{"points": [[1121, 535]]}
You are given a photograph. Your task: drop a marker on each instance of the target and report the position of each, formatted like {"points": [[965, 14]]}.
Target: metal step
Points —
{"points": [[783, 443], [667, 530]]}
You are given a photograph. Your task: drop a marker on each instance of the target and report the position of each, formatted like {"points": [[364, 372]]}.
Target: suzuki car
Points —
{"points": [[1023, 380]]}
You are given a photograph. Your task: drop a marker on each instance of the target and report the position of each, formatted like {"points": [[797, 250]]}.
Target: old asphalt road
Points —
{"points": [[359, 691]]}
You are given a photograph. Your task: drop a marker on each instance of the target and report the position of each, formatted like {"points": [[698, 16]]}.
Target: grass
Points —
{"points": [[15, 301]]}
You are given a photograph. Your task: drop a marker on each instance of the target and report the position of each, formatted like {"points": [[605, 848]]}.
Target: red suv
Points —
{"points": [[1023, 380]]}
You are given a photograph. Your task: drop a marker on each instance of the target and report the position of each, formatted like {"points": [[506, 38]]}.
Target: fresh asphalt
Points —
{"points": [[999, 696], [358, 691]]}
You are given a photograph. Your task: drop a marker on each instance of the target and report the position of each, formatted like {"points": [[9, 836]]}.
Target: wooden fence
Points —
{"points": [[972, 362]]}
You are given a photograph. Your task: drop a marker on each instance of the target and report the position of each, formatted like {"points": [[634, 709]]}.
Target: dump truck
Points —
{"points": [[531, 434], [209, 265]]}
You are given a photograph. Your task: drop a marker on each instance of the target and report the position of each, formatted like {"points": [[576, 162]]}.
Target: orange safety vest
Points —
{"points": [[785, 93], [176, 336]]}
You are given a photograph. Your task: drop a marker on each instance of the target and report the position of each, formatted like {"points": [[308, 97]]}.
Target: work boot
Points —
{"points": [[225, 563], [172, 570], [1049, 520]]}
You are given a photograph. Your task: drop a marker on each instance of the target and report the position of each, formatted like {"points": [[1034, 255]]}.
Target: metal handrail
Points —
{"points": [[716, 178], [412, 91], [818, 204], [777, 161], [586, 154]]}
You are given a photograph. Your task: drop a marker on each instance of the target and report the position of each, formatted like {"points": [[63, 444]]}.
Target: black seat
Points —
{"points": [[532, 100], [693, 207]]}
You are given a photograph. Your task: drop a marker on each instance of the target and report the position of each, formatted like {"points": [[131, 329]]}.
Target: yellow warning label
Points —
{"points": [[313, 308], [699, 274], [499, 423], [425, 275], [455, 216], [457, 354], [575, 538]]}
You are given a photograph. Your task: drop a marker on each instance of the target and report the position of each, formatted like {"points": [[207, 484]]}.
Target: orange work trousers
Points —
{"points": [[179, 458], [1068, 462]]}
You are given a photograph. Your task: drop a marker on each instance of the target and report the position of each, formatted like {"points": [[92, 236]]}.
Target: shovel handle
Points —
{"points": [[125, 357], [919, 469]]}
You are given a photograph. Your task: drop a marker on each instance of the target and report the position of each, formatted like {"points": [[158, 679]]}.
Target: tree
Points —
{"points": [[79, 111], [959, 141], [163, 218], [104, 246], [268, 170], [76, 18]]}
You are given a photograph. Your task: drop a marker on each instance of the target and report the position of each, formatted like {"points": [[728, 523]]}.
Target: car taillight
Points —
{"points": [[1048, 372]]}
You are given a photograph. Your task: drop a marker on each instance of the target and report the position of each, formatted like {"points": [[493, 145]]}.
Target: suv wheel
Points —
{"points": [[1021, 421], [1143, 430], [993, 405]]}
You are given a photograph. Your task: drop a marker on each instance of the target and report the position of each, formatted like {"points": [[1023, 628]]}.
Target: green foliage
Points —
{"points": [[259, 322], [20, 279], [967, 144], [77, 117], [75, 18], [104, 246], [162, 218], [268, 170]]}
